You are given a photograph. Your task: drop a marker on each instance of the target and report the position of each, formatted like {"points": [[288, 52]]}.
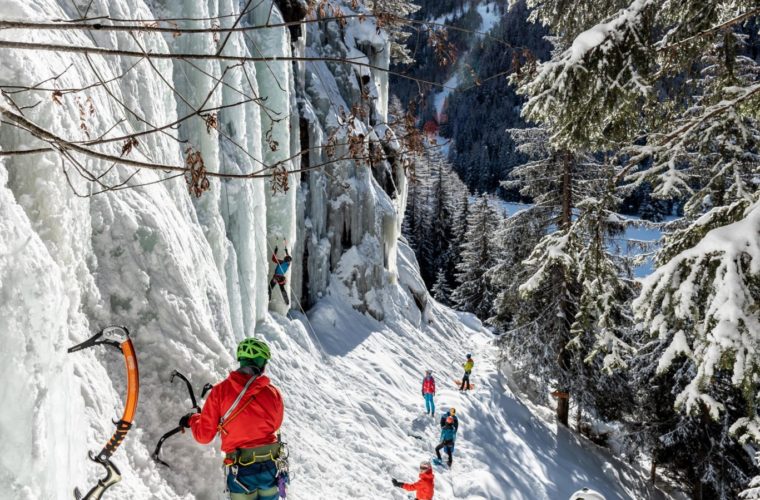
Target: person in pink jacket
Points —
{"points": [[428, 391]]}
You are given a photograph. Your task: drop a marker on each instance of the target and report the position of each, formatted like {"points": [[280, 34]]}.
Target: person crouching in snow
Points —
{"points": [[448, 436], [428, 392], [247, 411], [424, 485]]}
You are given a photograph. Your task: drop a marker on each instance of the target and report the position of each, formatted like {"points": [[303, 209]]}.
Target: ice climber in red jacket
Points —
{"points": [[247, 411], [424, 485], [428, 392]]}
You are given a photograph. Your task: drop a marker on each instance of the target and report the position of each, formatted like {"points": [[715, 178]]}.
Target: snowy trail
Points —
{"points": [[355, 416]]}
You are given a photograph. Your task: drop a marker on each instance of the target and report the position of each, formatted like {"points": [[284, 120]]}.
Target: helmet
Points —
{"points": [[469, 355], [449, 419], [425, 465], [453, 411], [428, 372], [254, 352]]}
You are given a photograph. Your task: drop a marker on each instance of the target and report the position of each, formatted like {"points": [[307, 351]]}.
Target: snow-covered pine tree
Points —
{"points": [[461, 214], [619, 72], [438, 243], [602, 338], [670, 78], [563, 296], [432, 205], [705, 292], [474, 292], [441, 291]]}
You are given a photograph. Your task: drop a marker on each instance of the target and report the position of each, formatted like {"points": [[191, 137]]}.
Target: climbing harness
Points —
{"points": [[249, 456], [118, 337], [277, 453], [179, 428]]}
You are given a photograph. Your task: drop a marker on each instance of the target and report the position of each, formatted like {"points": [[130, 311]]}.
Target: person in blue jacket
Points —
{"points": [[448, 436], [281, 267]]}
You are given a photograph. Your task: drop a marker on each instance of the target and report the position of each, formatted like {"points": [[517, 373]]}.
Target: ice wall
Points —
{"points": [[350, 203], [187, 275]]}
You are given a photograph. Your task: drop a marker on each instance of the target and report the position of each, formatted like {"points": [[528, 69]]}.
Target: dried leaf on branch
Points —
{"points": [[331, 144], [130, 143], [273, 144], [280, 179], [215, 25], [212, 122], [197, 181], [445, 52]]}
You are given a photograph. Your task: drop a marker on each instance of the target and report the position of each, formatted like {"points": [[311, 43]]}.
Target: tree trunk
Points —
{"points": [[563, 410], [653, 472], [567, 189], [578, 420], [563, 404], [696, 490]]}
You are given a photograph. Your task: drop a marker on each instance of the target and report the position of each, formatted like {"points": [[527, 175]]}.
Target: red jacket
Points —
{"points": [[423, 487], [256, 424], [428, 385]]}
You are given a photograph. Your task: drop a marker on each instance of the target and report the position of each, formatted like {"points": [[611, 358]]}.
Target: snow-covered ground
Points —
{"points": [[355, 416]]}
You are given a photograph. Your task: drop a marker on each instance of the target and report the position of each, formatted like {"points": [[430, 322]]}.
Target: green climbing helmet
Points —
{"points": [[253, 351]]}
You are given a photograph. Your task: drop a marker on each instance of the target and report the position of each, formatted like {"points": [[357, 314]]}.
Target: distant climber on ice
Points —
{"points": [[424, 486], [448, 436], [281, 267], [428, 392], [453, 414], [247, 411], [467, 365]]}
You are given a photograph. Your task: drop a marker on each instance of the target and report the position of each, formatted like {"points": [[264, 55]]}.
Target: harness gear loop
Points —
{"points": [[283, 469], [249, 456]]}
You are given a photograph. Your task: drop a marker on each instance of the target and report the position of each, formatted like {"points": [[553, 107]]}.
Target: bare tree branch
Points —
{"points": [[49, 47]]}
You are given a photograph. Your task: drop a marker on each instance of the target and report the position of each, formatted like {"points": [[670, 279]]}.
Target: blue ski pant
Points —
{"points": [[429, 404], [254, 482]]}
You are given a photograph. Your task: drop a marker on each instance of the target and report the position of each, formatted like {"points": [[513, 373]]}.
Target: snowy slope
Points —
{"points": [[360, 400]]}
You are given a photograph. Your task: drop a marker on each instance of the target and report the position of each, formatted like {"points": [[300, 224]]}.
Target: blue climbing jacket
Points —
{"points": [[282, 265], [448, 433], [281, 268]]}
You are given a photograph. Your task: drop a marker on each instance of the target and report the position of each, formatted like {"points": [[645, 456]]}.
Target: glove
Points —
{"points": [[184, 422], [396, 482], [275, 251]]}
